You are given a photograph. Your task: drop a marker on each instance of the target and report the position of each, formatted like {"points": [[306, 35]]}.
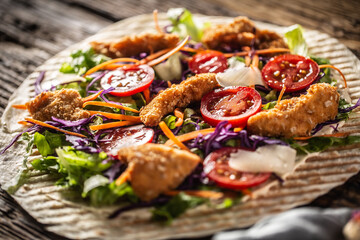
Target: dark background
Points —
{"points": [[32, 31]]}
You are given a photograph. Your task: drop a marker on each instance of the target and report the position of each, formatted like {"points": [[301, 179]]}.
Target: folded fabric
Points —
{"points": [[297, 224]]}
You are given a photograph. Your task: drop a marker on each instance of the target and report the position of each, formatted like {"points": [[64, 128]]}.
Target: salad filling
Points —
{"points": [[236, 112]]}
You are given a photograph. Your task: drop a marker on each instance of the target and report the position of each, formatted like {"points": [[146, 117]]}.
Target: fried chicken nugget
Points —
{"points": [[157, 168], [241, 32], [297, 116], [63, 104], [179, 95], [134, 45]]}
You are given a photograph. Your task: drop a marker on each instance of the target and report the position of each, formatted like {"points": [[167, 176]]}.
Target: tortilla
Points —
{"points": [[312, 177]]}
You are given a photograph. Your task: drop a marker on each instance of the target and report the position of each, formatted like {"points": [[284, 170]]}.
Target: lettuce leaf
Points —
{"points": [[175, 207], [327, 77], [183, 23], [295, 40]]}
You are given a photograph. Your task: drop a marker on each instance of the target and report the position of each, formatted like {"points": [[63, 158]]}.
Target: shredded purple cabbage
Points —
{"points": [[349, 109], [81, 144], [66, 123], [97, 78], [115, 170], [38, 81], [35, 128]]}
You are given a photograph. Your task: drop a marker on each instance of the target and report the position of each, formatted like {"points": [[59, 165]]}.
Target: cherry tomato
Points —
{"points": [[126, 137], [208, 61], [216, 167], [232, 104], [128, 80], [296, 72]]}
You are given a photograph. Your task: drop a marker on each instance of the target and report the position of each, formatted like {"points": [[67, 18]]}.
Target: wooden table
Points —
{"points": [[32, 31]]}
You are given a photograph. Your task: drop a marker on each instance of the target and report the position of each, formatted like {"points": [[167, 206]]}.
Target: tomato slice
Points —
{"points": [[128, 80], [208, 61], [296, 72], [216, 168], [126, 137], [232, 104]]}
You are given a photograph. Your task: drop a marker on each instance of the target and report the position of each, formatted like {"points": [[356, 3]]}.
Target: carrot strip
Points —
{"points": [[113, 125], [171, 136], [180, 117], [113, 105], [247, 192], [238, 129], [169, 83], [193, 50], [37, 122], [339, 71], [340, 134], [146, 93], [168, 54], [197, 193], [156, 21], [258, 52], [255, 61], [114, 66], [23, 122], [191, 135], [116, 116], [124, 176], [281, 94], [92, 97], [102, 65], [19, 106]]}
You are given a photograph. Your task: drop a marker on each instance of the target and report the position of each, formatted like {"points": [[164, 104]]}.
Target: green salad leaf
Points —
{"points": [[327, 77], [183, 23], [175, 207], [82, 60], [295, 40]]}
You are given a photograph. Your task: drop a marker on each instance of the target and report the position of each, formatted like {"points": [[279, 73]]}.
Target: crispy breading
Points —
{"points": [[63, 104], [178, 95], [241, 32], [157, 168], [129, 46], [299, 115]]}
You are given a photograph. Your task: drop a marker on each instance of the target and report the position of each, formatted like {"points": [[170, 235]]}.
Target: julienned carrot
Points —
{"points": [[115, 66], [102, 65], [23, 122], [169, 83], [113, 105], [339, 71], [255, 61], [116, 116], [156, 21], [92, 97], [168, 54], [197, 193], [189, 49], [191, 135], [154, 55], [258, 52], [339, 134], [247, 192], [146, 93], [37, 122], [171, 136], [180, 117], [238, 129], [281, 94], [19, 106], [124, 176], [113, 124]]}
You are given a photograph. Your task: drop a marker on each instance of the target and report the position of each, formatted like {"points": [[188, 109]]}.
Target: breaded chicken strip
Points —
{"points": [[134, 45], [240, 33], [63, 104], [297, 116], [157, 168], [179, 95]]}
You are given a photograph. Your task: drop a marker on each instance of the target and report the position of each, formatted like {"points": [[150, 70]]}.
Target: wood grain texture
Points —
{"points": [[34, 30]]}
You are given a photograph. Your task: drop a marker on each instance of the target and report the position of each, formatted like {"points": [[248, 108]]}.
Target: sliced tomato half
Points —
{"points": [[296, 72], [232, 104], [208, 61], [216, 168], [126, 137], [128, 80]]}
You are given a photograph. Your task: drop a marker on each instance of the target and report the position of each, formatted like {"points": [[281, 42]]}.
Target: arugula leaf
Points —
{"points": [[319, 144], [183, 23], [176, 206], [295, 40], [82, 60]]}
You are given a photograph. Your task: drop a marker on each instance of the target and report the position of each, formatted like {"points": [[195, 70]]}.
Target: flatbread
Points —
{"points": [[312, 177]]}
